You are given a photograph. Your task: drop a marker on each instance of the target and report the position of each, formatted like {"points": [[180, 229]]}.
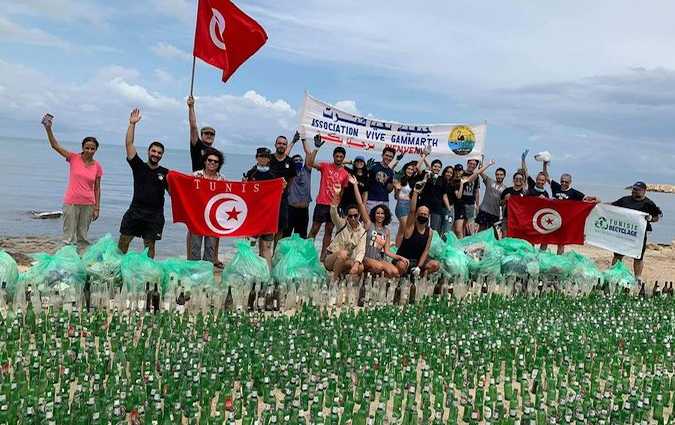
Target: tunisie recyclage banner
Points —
{"points": [[225, 208], [343, 128], [541, 220]]}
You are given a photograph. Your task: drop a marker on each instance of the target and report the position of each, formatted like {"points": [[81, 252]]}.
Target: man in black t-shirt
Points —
{"points": [[199, 141], [262, 171], [470, 198], [638, 201], [145, 216], [518, 189], [282, 166]]}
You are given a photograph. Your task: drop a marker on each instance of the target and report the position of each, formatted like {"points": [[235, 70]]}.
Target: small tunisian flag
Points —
{"points": [[225, 36], [539, 220], [225, 208]]}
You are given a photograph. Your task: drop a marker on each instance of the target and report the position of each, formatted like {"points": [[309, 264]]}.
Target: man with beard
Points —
{"points": [[490, 209], [282, 166], [145, 216]]}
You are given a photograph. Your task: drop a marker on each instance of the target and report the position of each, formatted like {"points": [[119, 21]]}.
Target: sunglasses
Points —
{"points": [[214, 161], [208, 133], [352, 215]]}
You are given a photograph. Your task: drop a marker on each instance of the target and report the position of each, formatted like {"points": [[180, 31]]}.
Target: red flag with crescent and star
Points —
{"points": [[226, 37], [225, 208], [542, 220]]}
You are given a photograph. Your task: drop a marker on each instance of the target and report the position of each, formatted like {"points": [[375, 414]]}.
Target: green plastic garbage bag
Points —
{"points": [[454, 263], [515, 246], [296, 259], [486, 237], [554, 267], [186, 273], [103, 261], [619, 275], [437, 246], [488, 266], [520, 264], [246, 267], [584, 269], [138, 269], [59, 272], [9, 273]]}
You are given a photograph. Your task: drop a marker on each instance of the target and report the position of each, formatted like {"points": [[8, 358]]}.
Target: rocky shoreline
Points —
{"points": [[660, 188]]}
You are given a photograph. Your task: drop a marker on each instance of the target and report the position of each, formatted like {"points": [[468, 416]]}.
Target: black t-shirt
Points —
{"points": [[196, 154], [645, 205], [531, 191], [348, 196], [513, 192], [565, 195], [254, 174], [470, 191], [432, 195], [284, 168], [149, 185]]}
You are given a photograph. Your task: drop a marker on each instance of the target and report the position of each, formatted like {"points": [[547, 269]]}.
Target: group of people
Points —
{"points": [[352, 204]]}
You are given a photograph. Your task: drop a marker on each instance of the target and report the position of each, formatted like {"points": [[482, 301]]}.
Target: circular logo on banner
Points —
{"points": [[546, 220], [225, 213], [601, 223], [461, 140], [217, 23]]}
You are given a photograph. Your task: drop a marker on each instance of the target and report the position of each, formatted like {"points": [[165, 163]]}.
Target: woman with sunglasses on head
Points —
{"points": [[82, 201], [378, 236], [212, 161]]}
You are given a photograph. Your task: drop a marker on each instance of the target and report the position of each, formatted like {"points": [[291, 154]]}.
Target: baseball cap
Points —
{"points": [[359, 158], [640, 185], [207, 129], [263, 152]]}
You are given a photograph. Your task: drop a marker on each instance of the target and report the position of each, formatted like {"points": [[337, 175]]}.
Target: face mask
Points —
{"points": [[422, 219], [298, 166], [543, 189], [262, 169]]}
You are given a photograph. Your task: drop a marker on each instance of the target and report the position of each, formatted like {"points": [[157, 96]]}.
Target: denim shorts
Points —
{"points": [[402, 208]]}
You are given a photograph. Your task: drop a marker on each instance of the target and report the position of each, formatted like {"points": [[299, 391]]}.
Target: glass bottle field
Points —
{"points": [[486, 359]]}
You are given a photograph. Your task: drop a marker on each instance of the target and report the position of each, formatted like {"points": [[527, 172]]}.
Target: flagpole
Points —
{"points": [[192, 80]]}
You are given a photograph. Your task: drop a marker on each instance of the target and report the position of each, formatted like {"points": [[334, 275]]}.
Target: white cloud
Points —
{"points": [[347, 106], [61, 10], [13, 32], [183, 10], [101, 104], [163, 76], [169, 51]]}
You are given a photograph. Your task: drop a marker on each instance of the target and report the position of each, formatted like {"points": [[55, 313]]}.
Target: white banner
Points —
{"points": [[342, 128], [616, 229]]}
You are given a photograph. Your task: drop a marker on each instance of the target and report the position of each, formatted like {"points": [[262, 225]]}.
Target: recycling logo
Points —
{"points": [[601, 223]]}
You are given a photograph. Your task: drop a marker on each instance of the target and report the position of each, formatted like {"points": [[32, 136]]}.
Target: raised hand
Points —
{"points": [[492, 162], [318, 141], [190, 101], [296, 137], [524, 154], [399, 157], [135, 116], [47, 121], [352, 180]]}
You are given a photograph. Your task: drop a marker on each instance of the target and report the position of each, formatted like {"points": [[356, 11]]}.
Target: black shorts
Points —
{"points": [[321, 214], [486, 219], [460, 212], [143, 224]]}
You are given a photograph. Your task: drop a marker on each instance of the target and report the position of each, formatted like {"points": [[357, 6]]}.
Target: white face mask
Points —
{"points": [[263, 168]]}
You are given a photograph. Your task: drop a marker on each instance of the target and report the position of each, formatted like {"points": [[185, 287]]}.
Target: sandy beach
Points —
{"points": [[659, 258]]}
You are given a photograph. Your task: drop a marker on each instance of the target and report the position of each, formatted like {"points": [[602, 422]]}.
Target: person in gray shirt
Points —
{"points": [[490, 208], [299, 194]]}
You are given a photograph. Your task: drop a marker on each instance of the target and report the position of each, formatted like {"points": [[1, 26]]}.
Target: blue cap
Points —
{"points": [[359, 158]]}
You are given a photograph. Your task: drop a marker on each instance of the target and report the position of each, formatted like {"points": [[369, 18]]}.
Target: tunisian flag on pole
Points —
{"points": [[225, 36], [225, 208], [539, 220]]}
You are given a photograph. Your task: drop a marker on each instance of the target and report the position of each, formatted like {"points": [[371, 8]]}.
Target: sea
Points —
{"points": [[33, 178]]}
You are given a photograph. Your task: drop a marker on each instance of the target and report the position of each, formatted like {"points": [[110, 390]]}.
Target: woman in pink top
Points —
{"points": [[82, 201]]}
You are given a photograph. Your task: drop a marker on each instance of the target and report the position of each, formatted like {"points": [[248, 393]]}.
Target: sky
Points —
{"points": [[591, 82]]}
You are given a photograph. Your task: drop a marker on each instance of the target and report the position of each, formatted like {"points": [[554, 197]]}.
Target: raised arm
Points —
{"points": [[192, 118], [47, 123], [484, 167], [359, 201], [545, 171], [289, 147], [422, 163], [310, 156], [134, 118], [523, 162]]}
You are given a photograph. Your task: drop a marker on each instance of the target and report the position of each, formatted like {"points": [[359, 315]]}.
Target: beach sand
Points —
{"points": [[659, 259]]}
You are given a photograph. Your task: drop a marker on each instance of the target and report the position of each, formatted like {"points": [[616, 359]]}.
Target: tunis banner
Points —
{"points": [[462, 141]]}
